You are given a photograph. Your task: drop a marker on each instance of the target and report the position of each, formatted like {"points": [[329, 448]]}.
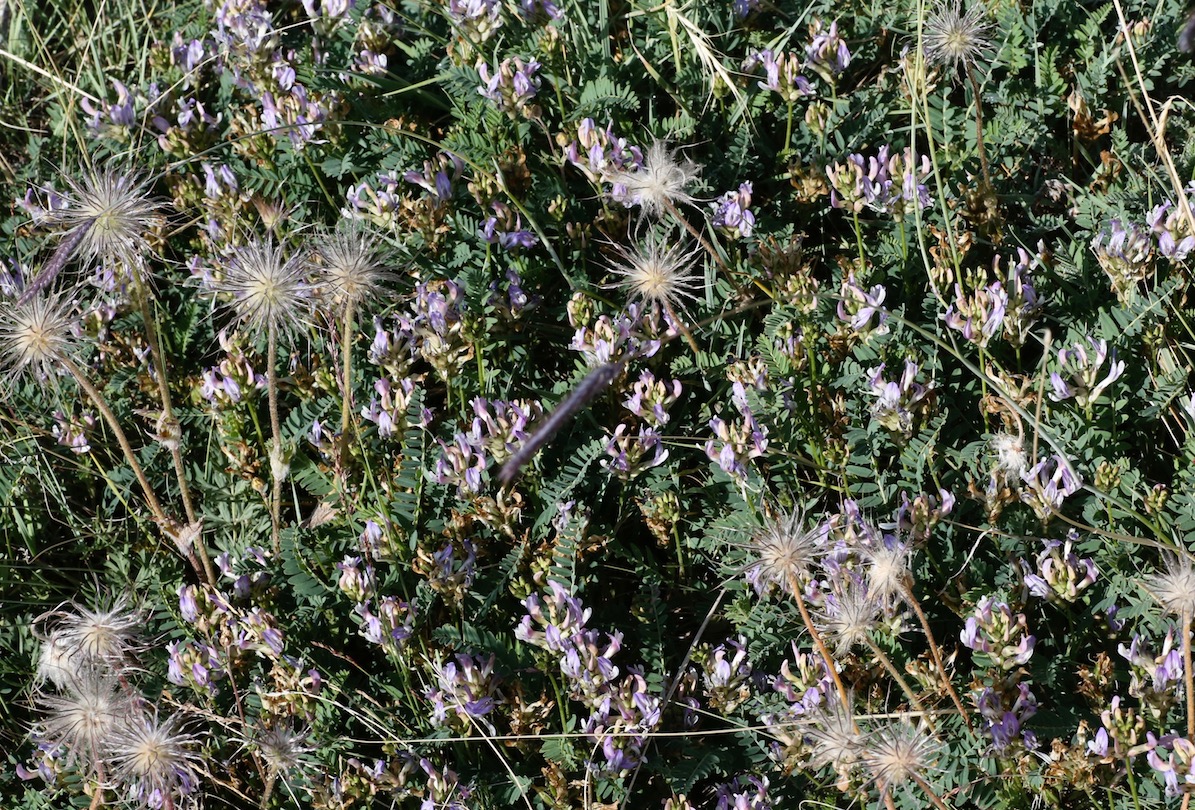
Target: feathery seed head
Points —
{"points": [[658, 183], [833, 738], [899, 752], [282, 747], [35, 335], [784, 552], [351, 268], [269, 289], [658, 274], [849, 616], [888, 569], [83, 717], [1174, 587], [116, 210], [956, 37], [153, 757], [106, 636]]}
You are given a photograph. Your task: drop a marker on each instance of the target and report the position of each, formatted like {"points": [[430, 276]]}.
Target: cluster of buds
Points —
{"points": [[827, 53], [919, 516], [390, 626], [1154, 678], [746, 792], [505, 228], [732, 212], [1000, 638], [473, 22], [497, 430], [901, 405], [1060, 574], [73, 432], [1119, 734], [633, 452], [388, 409], [380, 26], [438, 176], [187, 129], [651, 398], [1125, 252], [378, 201], [634, 332], [1178, 768], [1004, 714], [437, 326], [394, 350], [893, 184], [231, 381], [512, 87], [112, 120], [1083, 370], [725, 674], [450, 570]]}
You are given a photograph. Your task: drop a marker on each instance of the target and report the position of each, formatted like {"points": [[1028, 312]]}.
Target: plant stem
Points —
{"points": [[276, 430], [983, 155], [1190, 678], [929, 791], [346, 390], [820, 644], [886, 662], [937, 654], [171, 424], [102, 405]]}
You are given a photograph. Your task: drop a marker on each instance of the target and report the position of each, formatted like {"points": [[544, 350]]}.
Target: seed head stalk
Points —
{"points": [[276, 430], [983, 155], [886, 662], [929, 792], [819, 643], [937, 654], [1190, 678], [159, 360], [346, 341], [101, 404]]}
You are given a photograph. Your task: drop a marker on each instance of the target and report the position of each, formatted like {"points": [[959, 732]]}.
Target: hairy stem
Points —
{"points": [[983, 155], [171, 424], [886, 662], [820, 644], [276, 438], [937, 654], [346, 391]]}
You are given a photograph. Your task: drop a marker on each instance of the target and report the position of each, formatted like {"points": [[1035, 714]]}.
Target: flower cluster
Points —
{"points": [[1082, 365], [732, 212], [511, 87], [998, 635], [736, 443], [1060, 573], [900, 406], [892, 184], [623, 712]]}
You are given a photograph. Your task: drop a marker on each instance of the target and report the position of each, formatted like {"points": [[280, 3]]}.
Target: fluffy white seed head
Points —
{"points": [[35, 335], [834, 739], [657, 273], [152, 756], [784, 551], [269, 289], [888, 570], [117, 210], [1174, 586], [351, 267], [899, 752], [84, 715], [282, 748], [848, 618], [659, 183], [957, 38], [1010, 455]]}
